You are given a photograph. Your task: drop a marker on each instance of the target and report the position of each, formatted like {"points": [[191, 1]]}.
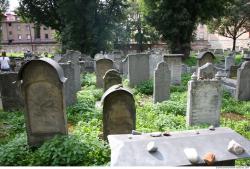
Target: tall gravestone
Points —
{"points": [[229, 61], [174, 62], [154, 60], [206, 71], [73, 57], [162, 79], [112, 77], [205, 57], [119, 112], [42, 83], [243, 82], [69, 89], [138, 68], [10, 92], [102, 66], [204, 101]]}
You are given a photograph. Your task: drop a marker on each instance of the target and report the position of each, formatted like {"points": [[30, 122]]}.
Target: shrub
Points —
{"points": [[145, 87], [191, 61], [88, 79]]}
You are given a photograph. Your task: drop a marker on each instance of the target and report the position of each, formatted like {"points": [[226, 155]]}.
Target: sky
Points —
{"points": [[13, 4]]}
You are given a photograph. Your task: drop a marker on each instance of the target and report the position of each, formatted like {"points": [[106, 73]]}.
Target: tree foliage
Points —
{"points": [[4, 5], [235, 23], [84, 25], [177, 20]]}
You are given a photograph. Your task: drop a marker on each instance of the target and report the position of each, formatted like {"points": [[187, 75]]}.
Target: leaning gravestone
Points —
{"points": [[73, 57], [174, 62], [205, 57], [69, 89], [102, 66], [204, 101], [119, 112], [162, 79], [138, 68], [10, 92], [243, 82], [42, 83], [112, 77], [206, 71]]}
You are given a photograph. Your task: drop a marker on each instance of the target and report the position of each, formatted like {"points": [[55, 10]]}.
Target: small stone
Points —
{"points": [[235, 148], [155, 134], [212, 128], [134, 132], [192, 155], [166, 134], [197, 132], [130, 137], [209, 158], [151, 147]]}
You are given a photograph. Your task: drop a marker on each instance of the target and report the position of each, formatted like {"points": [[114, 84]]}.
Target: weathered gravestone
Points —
{"points": [[125, 66], [204, 101], [69, 89], [205, 57], [174, 62], [73, 57], [229, 61], [206, 71], [154, 59], [42, 83], [10, 92], [102, 66], [162, 79], [112, 77], [138, 68], [119, 112], [233, 71], [243, 82]]}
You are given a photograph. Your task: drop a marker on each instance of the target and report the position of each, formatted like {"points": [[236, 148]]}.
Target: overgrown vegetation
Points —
{"points": [[84, 146]]}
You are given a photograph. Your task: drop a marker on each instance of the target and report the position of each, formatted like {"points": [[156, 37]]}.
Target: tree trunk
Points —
{"points": [[234, 43]]}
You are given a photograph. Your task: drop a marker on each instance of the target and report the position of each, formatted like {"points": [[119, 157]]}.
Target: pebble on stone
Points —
{"points": [[209, 158], [156, 134], [130, 136], [235, 148], [151, 147], [134, 132], [192, 155], [211, 128], [166, 134]]}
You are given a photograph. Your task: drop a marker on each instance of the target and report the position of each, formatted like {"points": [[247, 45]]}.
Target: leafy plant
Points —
{"points": [[145, 87]]}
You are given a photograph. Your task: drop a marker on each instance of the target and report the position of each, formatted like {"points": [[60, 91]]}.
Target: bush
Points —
{"points": [[191, 61], [88, 79], [145, 87], [15, 152]]}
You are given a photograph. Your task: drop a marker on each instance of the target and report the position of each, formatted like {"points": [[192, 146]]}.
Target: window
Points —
{"points": [[10, 32], [28, 36], [18, 27], [10, 24], [46, 36], [19, 37], [37, 32], [45, 28], [27, 27]]}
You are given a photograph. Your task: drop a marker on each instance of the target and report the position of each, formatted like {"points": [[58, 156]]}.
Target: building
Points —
{"points": [[204, 39], [17, 36]]}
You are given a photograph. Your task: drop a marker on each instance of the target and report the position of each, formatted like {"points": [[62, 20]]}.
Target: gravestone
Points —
{"points": [[102, 66], [206, 71], [69, 89], [229, 61], [73, 57], [204, 101], [138, 68], [10, 92], [233, 71], [162, 80], [42, 83], [154, 60], [119, 112], [243, 82], [112, 77], [125, 67], [174, 62], [205, 57]]}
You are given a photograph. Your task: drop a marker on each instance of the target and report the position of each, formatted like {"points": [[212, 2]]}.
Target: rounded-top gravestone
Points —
{"points": [[112, 77], [102, 66], [205, 57], [42, 83]]}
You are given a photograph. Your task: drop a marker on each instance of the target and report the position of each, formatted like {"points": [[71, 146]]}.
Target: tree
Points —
{"points": [[177, 20], [4, 5], [235, 23], [84, 25]]}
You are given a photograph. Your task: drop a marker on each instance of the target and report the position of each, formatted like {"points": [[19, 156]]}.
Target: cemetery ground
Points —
{"points": [[84, 145]]}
